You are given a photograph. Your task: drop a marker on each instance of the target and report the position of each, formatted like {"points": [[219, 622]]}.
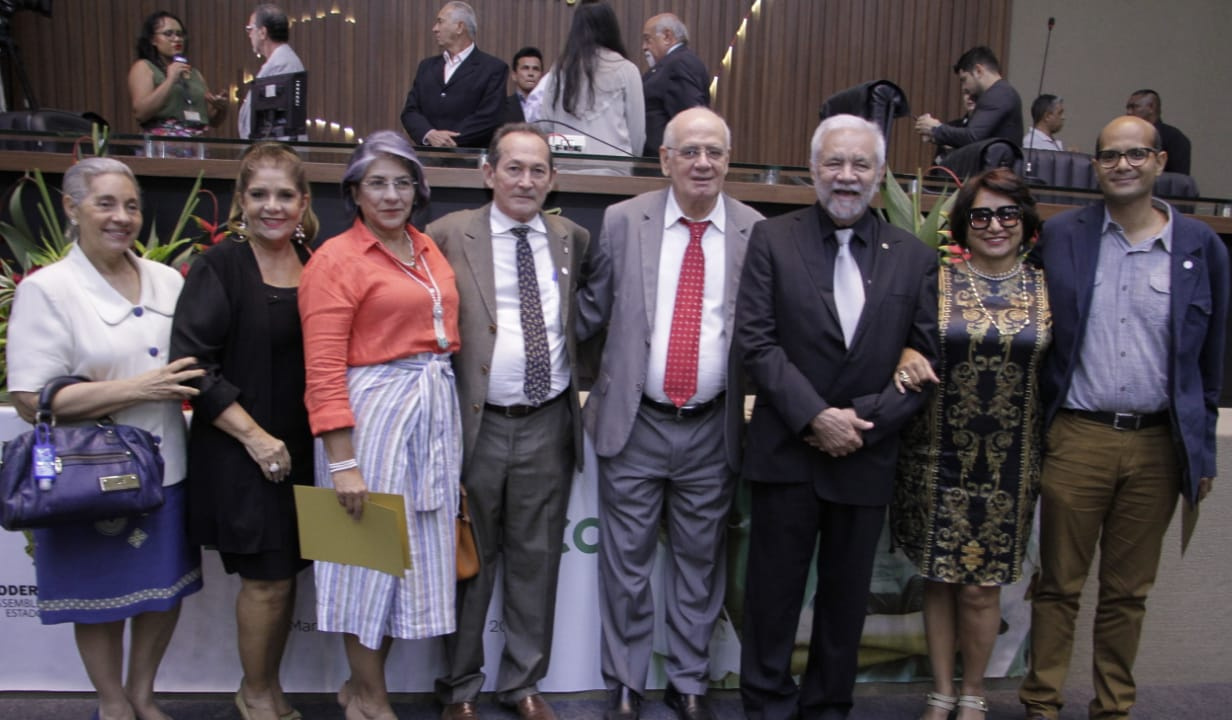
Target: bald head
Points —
{"points": [[696, 148], [1129, 123]]}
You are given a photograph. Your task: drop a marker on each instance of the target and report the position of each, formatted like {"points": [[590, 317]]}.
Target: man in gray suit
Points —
{"points": [[666, 410], [515, 269]]}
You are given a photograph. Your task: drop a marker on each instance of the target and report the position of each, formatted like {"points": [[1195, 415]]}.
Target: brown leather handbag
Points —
{"points": [[468, 554]]}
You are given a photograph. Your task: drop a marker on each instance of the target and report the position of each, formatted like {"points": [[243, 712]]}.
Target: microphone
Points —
{"points": [[1052, 22], [183, 79]]}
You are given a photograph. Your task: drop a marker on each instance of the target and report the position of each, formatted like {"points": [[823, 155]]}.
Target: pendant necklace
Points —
{"points": [[991, 278], [434, 292]]}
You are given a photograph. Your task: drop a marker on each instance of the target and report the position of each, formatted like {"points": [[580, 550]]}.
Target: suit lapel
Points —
{"points": [[1188, 269], [736, 242], [882, 261], [650, 236], [810, 233], [478, 250], [1085, 252], [561, 249]]}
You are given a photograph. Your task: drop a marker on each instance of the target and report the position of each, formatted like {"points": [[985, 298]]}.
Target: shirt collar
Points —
{"points": [[862, 228], [499, 222], [1165, 233], [717, 215], [111, 306], [456, 59]]}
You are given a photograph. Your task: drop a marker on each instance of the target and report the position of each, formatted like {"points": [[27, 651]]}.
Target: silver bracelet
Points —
{"points": [[341, 465]]}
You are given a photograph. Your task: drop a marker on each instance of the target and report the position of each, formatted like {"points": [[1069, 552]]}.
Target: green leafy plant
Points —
{"points": [[905, 210]]}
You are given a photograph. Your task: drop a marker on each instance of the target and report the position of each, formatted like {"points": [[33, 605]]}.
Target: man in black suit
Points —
{"points": [[1147, 105], [527, 72], [998, 109], [458, 97], [677, 79], [829, 297]]}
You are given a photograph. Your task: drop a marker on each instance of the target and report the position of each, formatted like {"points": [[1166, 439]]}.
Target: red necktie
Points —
{"points": [[680, 375]]}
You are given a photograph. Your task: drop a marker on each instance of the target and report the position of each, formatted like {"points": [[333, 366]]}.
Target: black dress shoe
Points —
{"points": [[623, 704], [688, 707]]}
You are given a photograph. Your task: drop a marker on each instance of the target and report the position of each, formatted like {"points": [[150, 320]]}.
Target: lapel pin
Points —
{"points": [[564, 271], [1188, 264], [885, 246]]}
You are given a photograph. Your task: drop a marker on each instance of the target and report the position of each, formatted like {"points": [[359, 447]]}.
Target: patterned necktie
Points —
{"points": [[538, 381], [680, 375], [848, 286]]}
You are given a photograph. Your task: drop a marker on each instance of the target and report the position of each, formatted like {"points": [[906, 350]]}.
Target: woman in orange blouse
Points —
{"points": [[380, 316]]}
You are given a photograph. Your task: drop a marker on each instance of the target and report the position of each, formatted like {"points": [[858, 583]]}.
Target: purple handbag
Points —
{"points": [[66, 475]]}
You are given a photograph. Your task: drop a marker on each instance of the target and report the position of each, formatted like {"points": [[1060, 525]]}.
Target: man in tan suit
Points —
{"points": [[516, 270]]}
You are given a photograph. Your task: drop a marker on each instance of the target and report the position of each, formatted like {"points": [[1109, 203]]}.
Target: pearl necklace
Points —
{"points": [[989, 279]]}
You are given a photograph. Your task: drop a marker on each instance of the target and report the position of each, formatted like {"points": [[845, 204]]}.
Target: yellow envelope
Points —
{"points": [[378, 541]]}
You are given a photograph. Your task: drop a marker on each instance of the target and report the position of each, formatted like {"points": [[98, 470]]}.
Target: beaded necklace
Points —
{"points": [[991, 278]]}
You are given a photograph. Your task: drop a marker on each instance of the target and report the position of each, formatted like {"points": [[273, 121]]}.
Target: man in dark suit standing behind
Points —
{"points": [[458, 97], [829, 297], [677, 79], [516, 270], [666, 412], [527, 72]]}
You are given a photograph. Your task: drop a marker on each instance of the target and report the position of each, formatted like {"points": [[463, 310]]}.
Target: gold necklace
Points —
{"points": [[989, 280]]}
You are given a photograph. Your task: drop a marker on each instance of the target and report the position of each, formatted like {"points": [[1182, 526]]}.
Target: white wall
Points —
{"points": [[1102, 50]]}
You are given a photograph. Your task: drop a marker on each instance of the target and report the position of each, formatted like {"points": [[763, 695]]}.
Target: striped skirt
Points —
{"points": [[408, 440]]}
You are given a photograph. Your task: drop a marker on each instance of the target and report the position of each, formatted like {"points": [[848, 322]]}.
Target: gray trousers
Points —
{"points": [[517, 485], [674, 470]]}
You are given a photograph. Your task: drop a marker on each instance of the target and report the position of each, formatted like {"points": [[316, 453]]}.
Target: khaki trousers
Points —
{"points": [[1117, 488]]}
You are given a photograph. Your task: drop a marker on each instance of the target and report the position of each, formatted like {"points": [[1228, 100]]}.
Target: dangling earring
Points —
{"points": [[242, 225], [72, 221], [299, 235]]}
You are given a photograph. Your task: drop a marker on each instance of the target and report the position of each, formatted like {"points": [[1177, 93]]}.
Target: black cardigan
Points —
{"points": [[221, 320]]}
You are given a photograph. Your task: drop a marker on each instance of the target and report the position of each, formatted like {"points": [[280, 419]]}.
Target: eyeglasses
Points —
{"points": [[1007, 215], [1109, 159], [172, 34], [249, 28], [378, 186], [693, 152]]}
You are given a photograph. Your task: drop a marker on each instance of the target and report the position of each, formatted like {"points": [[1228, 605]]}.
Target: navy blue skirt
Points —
{"points": [[114, 569]]}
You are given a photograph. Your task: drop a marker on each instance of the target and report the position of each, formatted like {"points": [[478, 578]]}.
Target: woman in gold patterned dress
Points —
{"points": [[969, 466]]}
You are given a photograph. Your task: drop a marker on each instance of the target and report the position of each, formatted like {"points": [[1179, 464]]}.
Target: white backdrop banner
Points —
{"points": [[202, 656]]}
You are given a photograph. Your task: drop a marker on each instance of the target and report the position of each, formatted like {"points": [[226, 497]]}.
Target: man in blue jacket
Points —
{"points": [[1139, 297]]}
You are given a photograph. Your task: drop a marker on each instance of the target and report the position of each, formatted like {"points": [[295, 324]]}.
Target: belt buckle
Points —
{"points": [[1133, 422]]}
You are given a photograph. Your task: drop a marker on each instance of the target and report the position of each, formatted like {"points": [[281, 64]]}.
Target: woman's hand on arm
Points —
{"points": [[913, 371], [88, 400], [349, 484], [268, 452]]}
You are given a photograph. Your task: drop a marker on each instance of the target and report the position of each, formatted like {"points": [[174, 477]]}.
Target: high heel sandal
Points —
{"points": [[973, 702], [944, 702]]}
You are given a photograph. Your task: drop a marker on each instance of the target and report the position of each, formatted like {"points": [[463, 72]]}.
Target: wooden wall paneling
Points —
{"points": [[792, 56]]}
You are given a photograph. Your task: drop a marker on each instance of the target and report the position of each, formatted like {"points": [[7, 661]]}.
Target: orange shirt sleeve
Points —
{"points": [[358, 307]]}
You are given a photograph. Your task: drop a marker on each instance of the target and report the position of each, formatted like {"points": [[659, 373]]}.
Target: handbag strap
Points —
{"points": [[53, 386]]}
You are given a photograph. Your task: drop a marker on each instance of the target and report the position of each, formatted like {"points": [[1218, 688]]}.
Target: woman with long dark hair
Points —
{"points": [[170, 96], [593, 89]]}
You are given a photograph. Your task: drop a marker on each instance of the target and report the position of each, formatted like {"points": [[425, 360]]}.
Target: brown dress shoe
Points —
{"points": [[465, 710], [534, 707]]}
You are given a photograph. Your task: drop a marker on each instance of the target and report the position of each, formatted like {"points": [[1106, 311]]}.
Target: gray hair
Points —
{"points": [[78, 178], [668, 21], [669, 132], [846, 122], [465, 14], [383, 143], [274, 20]]}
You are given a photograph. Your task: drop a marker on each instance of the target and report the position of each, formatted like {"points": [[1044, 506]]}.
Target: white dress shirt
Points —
{"points": [[713, 345], [508, 372], [453, 61]]}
